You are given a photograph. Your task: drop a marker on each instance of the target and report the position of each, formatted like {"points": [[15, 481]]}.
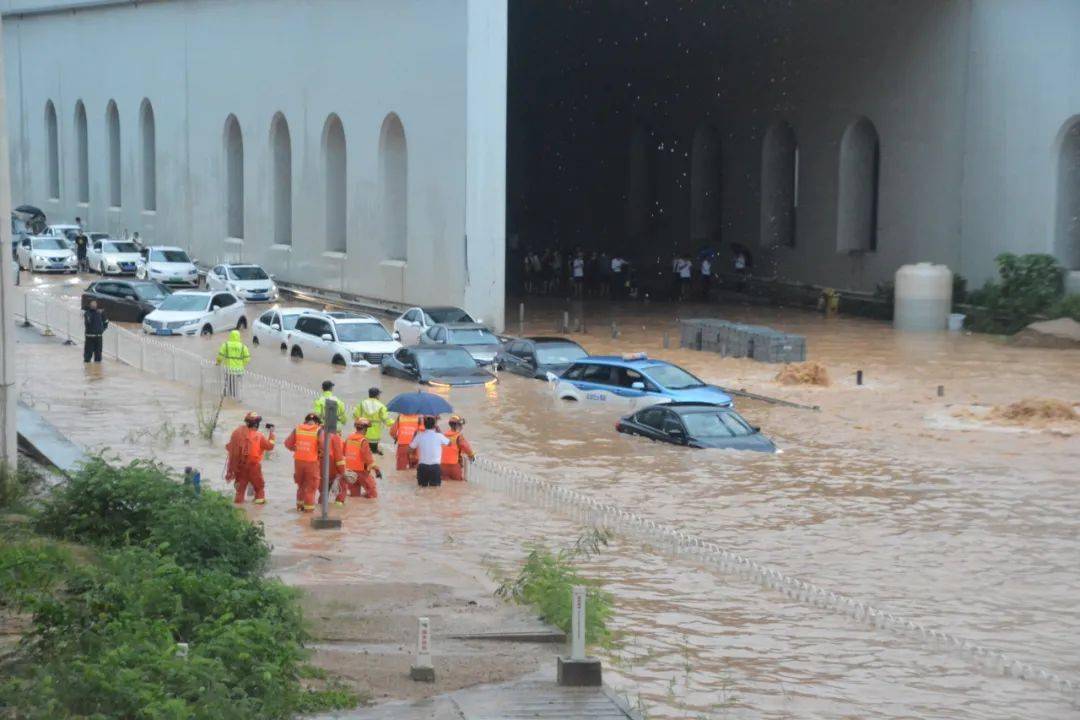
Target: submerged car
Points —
{"points": [[477, 339], [698, 425], [169, 265], [250, 282], [441, 366], [535, 357], [44, 253], [273, 327], [113, 257], [341, 338], [415, 321], [633, 380], [190, 312], [126, 300]]}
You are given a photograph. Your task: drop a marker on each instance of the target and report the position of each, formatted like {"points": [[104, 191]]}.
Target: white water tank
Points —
{"points": [[923, 298]]}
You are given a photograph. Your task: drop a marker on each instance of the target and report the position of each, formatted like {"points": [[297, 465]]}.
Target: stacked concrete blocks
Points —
{"points": [[731, 339]]}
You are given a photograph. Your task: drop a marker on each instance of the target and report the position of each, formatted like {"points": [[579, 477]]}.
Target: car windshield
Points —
{"points": [[450, 358], [98, 236], [185, 303], [673, 377], [716, 425], [49, 244], [558, 354], [362, 332], [151, 292], [248, 272], [288, 322], [446, 315], [120, 247], [171, 256], [473, 336]]}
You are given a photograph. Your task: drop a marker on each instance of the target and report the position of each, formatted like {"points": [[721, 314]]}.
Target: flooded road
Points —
{"points": [[883, 495]]}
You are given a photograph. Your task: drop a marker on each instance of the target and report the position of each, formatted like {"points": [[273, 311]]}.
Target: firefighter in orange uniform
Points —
{"points": [[359, 466], [304, 443], [403, 430], [246, 447], [337, 464], [452, 454]]}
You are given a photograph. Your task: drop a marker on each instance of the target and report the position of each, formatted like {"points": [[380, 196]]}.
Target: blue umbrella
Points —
{"points": [[419, 403]]}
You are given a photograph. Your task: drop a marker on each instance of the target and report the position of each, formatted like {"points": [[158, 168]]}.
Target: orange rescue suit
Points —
{"points": [[403, 430], [359, 462], [246, 447], [451, 455], [304, 444]]}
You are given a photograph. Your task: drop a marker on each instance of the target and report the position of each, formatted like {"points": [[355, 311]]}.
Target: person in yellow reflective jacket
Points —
{"points": [[233, 356], [373, 410], [320, 405]]}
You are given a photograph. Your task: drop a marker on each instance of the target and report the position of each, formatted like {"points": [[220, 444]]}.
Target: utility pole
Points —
{"points": [[7, 296]]}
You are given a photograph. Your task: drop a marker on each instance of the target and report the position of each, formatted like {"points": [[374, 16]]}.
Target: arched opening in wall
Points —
{"points": [[706, 186], [857, 196], [1067, 235], [779, 186], [112, 138], [234, 178], [394, 187], [53, 134], [641, 186], [82, 153], [282, 172], [334, 160], [149, 155]]}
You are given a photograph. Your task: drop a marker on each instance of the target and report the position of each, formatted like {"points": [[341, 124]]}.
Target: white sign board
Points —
{"points": [[577, 624]]}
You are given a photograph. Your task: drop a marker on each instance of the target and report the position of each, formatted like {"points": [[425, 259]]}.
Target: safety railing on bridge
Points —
{"points": [[274, 395]]}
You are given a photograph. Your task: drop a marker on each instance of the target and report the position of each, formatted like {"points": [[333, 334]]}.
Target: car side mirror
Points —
{"points": [[272, 276], [638, 385], [756, 428], [396, 335], [327, 337], [275, 326]]}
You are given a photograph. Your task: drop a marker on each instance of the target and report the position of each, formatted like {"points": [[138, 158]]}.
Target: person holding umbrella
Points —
{"points": [[411, 407], [429, 446]]}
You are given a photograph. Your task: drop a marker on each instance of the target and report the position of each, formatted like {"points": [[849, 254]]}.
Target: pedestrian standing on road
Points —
{"points": [[94, 324], [686, 268], [578, 269], [618, 271], [246, 448], [233, 356], [81, 243], [429, 445], [320, 404], [706, 277], [78, 221], [378, 417]]}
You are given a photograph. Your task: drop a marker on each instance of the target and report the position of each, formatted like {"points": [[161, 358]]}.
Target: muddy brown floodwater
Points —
{"points": [[890, 494]]}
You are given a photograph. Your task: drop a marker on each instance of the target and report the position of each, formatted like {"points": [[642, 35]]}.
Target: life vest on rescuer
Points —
{"points": [[307, 443]]}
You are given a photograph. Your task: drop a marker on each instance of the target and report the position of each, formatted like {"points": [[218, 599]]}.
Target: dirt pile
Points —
{"points": [[1060, 333], [1034, 413], [804, 373]]}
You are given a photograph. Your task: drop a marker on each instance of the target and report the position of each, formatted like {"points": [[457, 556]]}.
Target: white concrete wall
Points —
{"points": [[198, 61]]}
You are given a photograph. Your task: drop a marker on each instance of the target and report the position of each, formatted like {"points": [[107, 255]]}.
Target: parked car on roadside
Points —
{"points": [[535, 357], [440, 366], [113, 257], [190, 312], [699, 425], [633, 380], [169, 265], [250, 282], [126, 300], [477, 339], [414, 321], [341, 338], [274, 327], [45, 253]]}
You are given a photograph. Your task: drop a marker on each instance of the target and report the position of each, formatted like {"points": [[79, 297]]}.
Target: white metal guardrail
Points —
{"points": [[287, 399]]}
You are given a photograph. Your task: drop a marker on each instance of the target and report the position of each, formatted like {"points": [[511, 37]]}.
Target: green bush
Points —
{"points": [[142, 505], [1028, 286], [1068, 306]]}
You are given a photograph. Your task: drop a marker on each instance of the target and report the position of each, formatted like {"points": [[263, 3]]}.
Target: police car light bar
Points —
{"points": [[635, 356]]}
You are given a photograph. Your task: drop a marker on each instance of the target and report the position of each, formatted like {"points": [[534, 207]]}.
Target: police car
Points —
{"points": [[633, 380]]}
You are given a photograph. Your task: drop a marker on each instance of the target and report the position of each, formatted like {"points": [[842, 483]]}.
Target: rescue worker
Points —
{"points": [[233, 356], [304, 443], [320, 404], [452, 454], [403, 431], [246, 447], [378, 417], [359, 466]]}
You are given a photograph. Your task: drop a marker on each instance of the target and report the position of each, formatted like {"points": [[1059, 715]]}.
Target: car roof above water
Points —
{"points": [[344, 316], [637, 363]]}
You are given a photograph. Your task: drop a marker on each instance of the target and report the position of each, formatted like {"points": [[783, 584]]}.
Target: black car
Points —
{"points": [[126, 300], [439, 365], [698, 425], [535, 357]]}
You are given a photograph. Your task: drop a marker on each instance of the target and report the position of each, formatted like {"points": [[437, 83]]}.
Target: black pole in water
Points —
{"points": [[858, 377]]}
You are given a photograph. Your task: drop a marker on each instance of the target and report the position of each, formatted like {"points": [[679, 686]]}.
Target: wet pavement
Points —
{"points": [[885, 495]]}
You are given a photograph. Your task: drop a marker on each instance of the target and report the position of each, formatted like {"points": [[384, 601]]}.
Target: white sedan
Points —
{"points": [[45, 254], [273, 327], [113, 257], [415, 321], [249, 282], [190, 312]]}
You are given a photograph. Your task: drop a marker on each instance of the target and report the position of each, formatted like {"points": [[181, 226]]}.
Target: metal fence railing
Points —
{"points": [[268, 394]]}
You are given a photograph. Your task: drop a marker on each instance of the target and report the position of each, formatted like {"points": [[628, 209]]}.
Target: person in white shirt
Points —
{"points": [[617, 282], [577, 267], [684, 268], [429, 443], [706, 277]]}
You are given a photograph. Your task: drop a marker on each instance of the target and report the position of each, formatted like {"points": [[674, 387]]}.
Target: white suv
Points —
{"points": [[341, 338]]}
